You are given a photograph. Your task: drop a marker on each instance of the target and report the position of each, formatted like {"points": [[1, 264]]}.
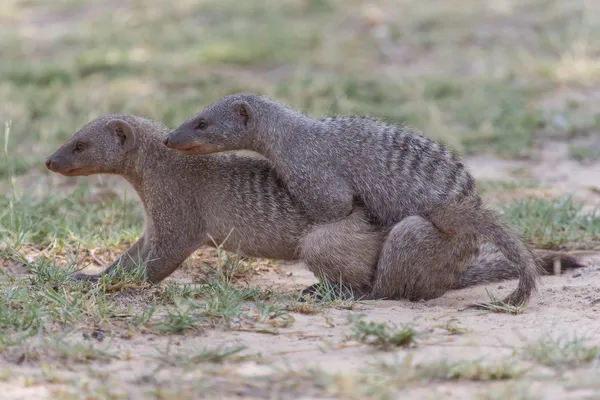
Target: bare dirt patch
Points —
{"points": [[455, 354]]}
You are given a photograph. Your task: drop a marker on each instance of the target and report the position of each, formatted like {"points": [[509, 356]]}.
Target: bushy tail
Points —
{"points": [[470, 218], [491, 266]]}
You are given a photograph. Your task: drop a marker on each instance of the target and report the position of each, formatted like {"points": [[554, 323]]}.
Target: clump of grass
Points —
{"points": [[222, 303], [382, 336], [446, 370], [180, 319], [120, 277], [45, 272], [216, 301], [55, 223], [307, 308], [548, 224], [170, 292], [499, 306], [274, 314], [469, 370], [562, 352], [231, 267], [584, 154], [59, 349], [192, 357], [452, 326], [486, 185], [78, 352], [509, 391], [325, 294]]}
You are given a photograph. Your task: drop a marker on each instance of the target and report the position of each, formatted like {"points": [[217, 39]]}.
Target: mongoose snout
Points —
{"points": [[184, 144], [59, 164], [202, 136], [174, 142]]}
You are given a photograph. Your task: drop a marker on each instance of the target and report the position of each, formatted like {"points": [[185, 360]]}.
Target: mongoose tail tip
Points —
{"points": [[471, 217]]}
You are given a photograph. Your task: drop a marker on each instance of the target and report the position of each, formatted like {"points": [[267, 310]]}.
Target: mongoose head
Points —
{"points": [[101, 146], [227, 124]]}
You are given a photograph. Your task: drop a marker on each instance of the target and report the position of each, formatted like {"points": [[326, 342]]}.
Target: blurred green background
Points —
{"points": [[478, 75]]}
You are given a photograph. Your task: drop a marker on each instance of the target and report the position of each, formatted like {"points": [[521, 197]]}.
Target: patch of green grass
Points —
{"points": [[323, 57], [34, 307], [477, 370], [192, 357], [180, 319], [584, 154], [562, 352], [547, 224], [222, 303], [382, 336], [72, 221], [446, 370], [219, 300], [76, 352], [507, 126], [170, 292], [453, 327], [487, 185], [218, 304], [509, 391], [119, 278]]}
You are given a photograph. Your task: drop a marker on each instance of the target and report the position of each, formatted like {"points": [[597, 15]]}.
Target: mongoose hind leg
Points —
{"points": [[344, 254], [418, 261]]}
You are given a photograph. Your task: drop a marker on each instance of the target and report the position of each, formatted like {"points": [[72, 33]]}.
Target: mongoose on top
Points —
{"points": [[187, 200], [414, 187]]}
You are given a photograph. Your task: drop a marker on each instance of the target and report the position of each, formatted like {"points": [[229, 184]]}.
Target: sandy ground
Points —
{"points": [[565, 305]]}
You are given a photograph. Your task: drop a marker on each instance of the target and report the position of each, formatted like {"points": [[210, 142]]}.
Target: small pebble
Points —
{"points": [[98, 334]]}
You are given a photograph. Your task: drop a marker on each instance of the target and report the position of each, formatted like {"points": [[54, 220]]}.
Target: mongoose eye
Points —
{"points": [[79, 147], [202, 124]]}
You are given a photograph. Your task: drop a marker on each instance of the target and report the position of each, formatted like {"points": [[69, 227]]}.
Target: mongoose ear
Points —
{"points": [[244, 112], [124, 133]]}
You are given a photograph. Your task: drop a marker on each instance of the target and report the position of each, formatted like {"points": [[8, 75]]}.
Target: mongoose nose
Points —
{"points": [[166, 141], [48, 162]]}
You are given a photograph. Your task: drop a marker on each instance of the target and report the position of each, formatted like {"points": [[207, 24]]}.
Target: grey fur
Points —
{"points": [[188, 198], [407, 183]]}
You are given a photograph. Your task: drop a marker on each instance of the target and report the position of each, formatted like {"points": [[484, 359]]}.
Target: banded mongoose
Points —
{"points": [[410, 184], [188, 198], [235, 201]]}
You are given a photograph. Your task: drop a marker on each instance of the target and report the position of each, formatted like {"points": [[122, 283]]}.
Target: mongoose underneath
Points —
{"points": [[238, 202], [408, 183], [188, 198]]}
